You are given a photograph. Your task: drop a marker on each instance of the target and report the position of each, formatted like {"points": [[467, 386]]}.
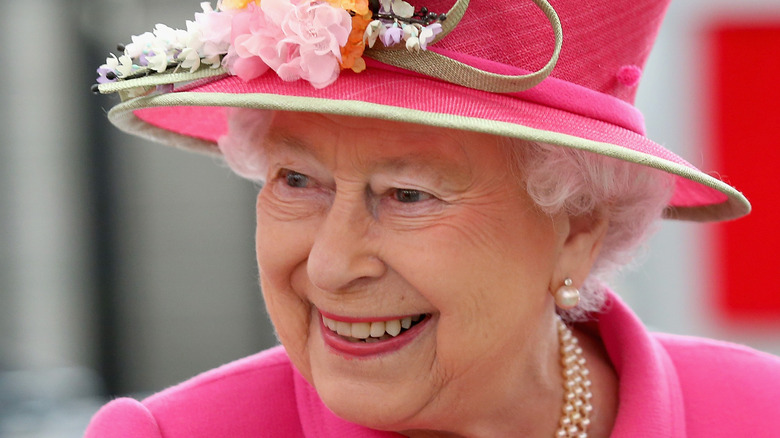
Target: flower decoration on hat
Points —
{"points": [[311, 40]]}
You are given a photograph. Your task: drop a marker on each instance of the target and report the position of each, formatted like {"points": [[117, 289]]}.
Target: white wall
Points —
{"points": [[186, 278], [669, 292], [44, 288]]}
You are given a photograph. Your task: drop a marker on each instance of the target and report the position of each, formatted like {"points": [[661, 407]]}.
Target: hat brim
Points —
{"points": [[195, 116]]}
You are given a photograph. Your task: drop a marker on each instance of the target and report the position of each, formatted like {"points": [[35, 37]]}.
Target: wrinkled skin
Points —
{"points": [[365, 218]]}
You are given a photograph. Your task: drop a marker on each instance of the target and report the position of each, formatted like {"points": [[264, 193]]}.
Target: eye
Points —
{"points": [[295, 179], [408, 196]]}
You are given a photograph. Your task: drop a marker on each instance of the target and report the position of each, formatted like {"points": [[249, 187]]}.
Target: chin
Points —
{"points": [[366, 394], [372, 408]]}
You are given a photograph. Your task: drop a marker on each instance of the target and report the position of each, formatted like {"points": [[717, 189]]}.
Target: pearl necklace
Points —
{"points": [[575, 418]]}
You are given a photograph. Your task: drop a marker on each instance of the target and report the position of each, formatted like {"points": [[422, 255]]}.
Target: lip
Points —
{"points": [[366, 350], [354, 319]]}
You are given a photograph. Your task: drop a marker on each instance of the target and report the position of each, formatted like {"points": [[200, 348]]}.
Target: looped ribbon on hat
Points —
{"points": [[447, 69]]}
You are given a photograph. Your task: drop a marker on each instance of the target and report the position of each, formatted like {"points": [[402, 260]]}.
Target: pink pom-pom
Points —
{"points": [[629, 75]]}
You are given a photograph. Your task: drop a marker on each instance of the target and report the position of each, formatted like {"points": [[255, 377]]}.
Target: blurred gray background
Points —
{"points": [[126, 267]]}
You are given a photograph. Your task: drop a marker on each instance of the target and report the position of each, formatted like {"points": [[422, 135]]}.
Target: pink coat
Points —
{"points": [[670, 386]]}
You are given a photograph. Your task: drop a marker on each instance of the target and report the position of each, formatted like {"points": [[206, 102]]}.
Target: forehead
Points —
{"points": [[374, 142]]}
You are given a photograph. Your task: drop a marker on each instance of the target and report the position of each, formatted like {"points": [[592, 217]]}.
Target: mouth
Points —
{"points": [[374, 331], [363, 338]]}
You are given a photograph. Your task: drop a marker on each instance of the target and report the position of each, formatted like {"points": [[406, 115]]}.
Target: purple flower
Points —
{"points": [[428, 34], [102, 72], [392, 35]]}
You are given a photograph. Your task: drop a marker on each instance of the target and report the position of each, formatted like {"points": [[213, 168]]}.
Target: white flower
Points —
{"points": [[214, 61], [189, 58], [123, 66], [170, 38], [111, 63], [410, 31], [206, 6], [428, 33], [194, 35], [402, 9], [413, 44], [193, 47], [398, 7], [373, 30], [140, 44], [157, 59]]}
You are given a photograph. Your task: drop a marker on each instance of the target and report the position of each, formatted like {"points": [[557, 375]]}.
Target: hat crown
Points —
{"points": [[605, 43]]}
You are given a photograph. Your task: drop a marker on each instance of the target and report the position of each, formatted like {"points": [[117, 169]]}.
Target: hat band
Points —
{"points": [[451, 70], [552, 92]]}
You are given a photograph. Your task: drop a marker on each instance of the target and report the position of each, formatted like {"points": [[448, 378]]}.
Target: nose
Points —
{"points": [[344, 252]]}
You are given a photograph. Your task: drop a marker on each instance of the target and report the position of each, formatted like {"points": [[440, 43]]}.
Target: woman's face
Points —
{"points": [[371, 222]]}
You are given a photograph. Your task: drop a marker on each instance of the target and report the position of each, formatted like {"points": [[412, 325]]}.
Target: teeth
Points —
{"points": [[370, 331], [343, 328], [361, 330], [377, 329], [393, 328]]}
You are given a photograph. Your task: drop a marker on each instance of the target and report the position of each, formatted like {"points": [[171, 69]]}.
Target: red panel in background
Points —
{"points": [[745, 130]]}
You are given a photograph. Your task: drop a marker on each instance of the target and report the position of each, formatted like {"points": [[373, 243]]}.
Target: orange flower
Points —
{"points": [[352, 52], [359, 7], [236, 4]]}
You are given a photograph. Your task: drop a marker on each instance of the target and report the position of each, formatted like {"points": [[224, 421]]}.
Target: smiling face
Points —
{"points": [[380, 226]]}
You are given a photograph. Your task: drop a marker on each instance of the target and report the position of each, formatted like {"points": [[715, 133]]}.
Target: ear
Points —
{"points": [[582, 243]]}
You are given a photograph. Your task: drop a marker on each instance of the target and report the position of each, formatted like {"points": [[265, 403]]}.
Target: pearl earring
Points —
{"points": [[567, 296]]}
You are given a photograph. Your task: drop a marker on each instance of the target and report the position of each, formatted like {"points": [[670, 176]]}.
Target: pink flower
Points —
{"points": [[296, 38], [242, 58], [214, 30]]}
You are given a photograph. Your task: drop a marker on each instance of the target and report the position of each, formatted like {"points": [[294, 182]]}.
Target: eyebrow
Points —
{"points": [[276, 138], [419, 161]]}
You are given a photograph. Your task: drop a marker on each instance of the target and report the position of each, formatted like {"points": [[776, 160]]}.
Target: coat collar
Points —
{"points": [[651, 401]]}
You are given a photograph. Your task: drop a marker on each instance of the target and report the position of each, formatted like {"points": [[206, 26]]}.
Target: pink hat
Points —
{"points": [[563, 74]]}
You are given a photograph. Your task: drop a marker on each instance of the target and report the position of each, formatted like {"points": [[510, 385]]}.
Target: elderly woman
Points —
{"points": [[436, 222]]}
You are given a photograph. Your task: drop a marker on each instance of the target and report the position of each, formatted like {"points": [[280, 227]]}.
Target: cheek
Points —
{"points": [[492, 270], [282, 250], [511, 245], [283, 243]]}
